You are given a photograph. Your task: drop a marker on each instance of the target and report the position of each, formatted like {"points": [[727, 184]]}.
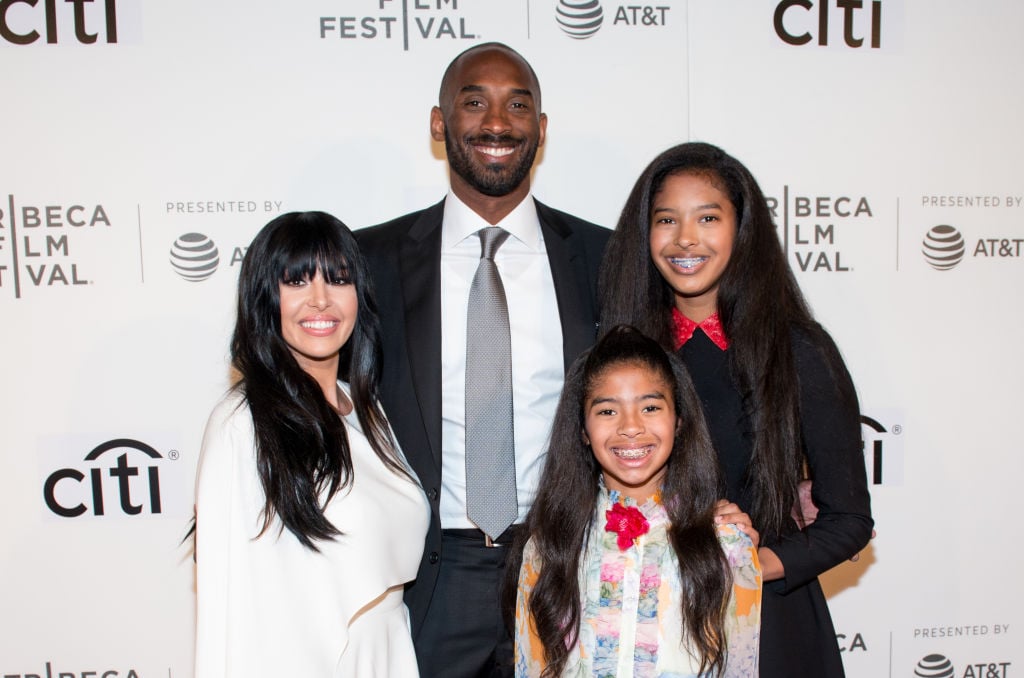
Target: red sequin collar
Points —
{"points": [[683, 328]]}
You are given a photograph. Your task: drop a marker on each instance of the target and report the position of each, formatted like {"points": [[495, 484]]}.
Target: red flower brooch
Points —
{"points": [[627, 522]]}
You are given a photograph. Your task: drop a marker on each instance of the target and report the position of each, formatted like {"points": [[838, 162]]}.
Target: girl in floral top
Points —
{"points": [[624, 572]]}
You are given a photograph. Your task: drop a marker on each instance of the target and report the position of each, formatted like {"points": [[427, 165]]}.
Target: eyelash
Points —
{"points": [[301, 282], [707, 218], [476, 103], [646, 408]]}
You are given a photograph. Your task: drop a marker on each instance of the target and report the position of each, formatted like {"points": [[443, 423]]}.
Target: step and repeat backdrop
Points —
{"points": [[144, 143]]}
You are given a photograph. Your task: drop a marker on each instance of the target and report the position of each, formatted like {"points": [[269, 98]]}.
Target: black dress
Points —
{"points": [[797, 636]]}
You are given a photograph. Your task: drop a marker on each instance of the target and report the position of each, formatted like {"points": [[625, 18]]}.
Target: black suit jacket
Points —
{"points": [[404, 258]]}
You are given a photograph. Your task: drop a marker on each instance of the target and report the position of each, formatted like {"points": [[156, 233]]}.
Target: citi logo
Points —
{"points": [[23, 22], [943, 247], [579, 19], [126, 480], [883, 448], [194, 256], [800, 22]]}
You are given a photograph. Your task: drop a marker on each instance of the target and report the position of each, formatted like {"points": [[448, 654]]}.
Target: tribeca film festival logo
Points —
{"points": [[855, 24], [24, 22], [582, 19], [51, 671], [940, 666], [119, 477], [400, 20], [851, 643], [39, 242], [812, 227]]}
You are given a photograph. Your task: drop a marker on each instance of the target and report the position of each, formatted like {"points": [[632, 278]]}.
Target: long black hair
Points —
{"points": [[561, 516], [302, 449], [759, 304]]}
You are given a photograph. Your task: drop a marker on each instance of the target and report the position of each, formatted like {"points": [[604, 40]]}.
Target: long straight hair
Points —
{"points": [[759, 304], [302, 449], [566, 504]]}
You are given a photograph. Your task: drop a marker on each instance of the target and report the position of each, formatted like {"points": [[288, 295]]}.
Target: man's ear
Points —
{"points": [[436, 124]]}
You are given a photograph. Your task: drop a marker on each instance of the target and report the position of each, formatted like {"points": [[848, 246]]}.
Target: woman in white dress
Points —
{"points": [[309, 521]]}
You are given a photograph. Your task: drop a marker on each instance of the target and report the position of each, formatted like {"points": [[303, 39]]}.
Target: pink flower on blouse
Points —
{"points": [[627, 522]]}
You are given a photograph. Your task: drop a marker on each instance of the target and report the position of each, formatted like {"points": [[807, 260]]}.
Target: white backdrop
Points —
{"points": [[134, 130]]}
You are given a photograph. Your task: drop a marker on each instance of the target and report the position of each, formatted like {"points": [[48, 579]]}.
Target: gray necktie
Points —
{"points": [[490, 451]]}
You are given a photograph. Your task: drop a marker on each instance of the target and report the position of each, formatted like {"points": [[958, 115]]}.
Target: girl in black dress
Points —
{"points": [[696, 263]]}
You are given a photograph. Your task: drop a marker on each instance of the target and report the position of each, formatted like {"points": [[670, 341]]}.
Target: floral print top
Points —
{"points": [[632, 622]]}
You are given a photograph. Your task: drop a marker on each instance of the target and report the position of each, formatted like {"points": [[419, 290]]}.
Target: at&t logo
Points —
{"points": [[581, 19], [195, 257], [799, 22], [23, 22], [120, 475], [939, 666], [943, 247], [935, 666]]}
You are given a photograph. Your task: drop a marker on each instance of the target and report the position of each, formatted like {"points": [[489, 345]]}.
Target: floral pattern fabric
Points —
{"points": [[632, 623]]}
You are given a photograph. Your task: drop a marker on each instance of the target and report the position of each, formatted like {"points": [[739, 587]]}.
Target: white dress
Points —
{"points": [[272, 607]]}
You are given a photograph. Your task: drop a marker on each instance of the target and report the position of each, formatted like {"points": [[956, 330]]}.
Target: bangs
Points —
{"points": [[304, 259]]}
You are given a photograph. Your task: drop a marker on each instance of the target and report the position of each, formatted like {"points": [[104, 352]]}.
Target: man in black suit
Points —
{"points": [[489, 117]]}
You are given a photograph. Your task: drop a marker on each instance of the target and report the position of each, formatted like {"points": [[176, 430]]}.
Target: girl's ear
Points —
{"points": [[586, 439]]}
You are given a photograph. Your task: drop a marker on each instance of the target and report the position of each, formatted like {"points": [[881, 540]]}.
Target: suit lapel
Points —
{"points": [[575, 308], [420, 263]]}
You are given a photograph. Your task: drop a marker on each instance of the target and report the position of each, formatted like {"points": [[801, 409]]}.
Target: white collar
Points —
{"points": [[461, 222]]}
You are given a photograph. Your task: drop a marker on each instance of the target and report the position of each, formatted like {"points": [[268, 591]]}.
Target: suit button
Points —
{"points": [[432, 494], [433, 558]]}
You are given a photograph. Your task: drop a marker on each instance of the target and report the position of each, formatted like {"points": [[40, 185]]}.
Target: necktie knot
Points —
{"points": [[491, 239]]}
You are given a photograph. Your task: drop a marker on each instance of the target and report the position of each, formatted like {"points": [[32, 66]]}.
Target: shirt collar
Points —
{"points": [[461, 222], [683, 329]]}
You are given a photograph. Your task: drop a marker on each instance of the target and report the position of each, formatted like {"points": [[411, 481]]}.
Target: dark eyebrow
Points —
{"points": [[647, 396], [479, 88], [707, 206]]}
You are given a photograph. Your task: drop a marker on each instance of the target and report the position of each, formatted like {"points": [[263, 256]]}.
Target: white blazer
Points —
{"points": [[269, 606]]}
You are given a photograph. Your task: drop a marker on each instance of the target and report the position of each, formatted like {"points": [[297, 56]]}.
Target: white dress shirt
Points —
{"points": [[536, 332]]}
